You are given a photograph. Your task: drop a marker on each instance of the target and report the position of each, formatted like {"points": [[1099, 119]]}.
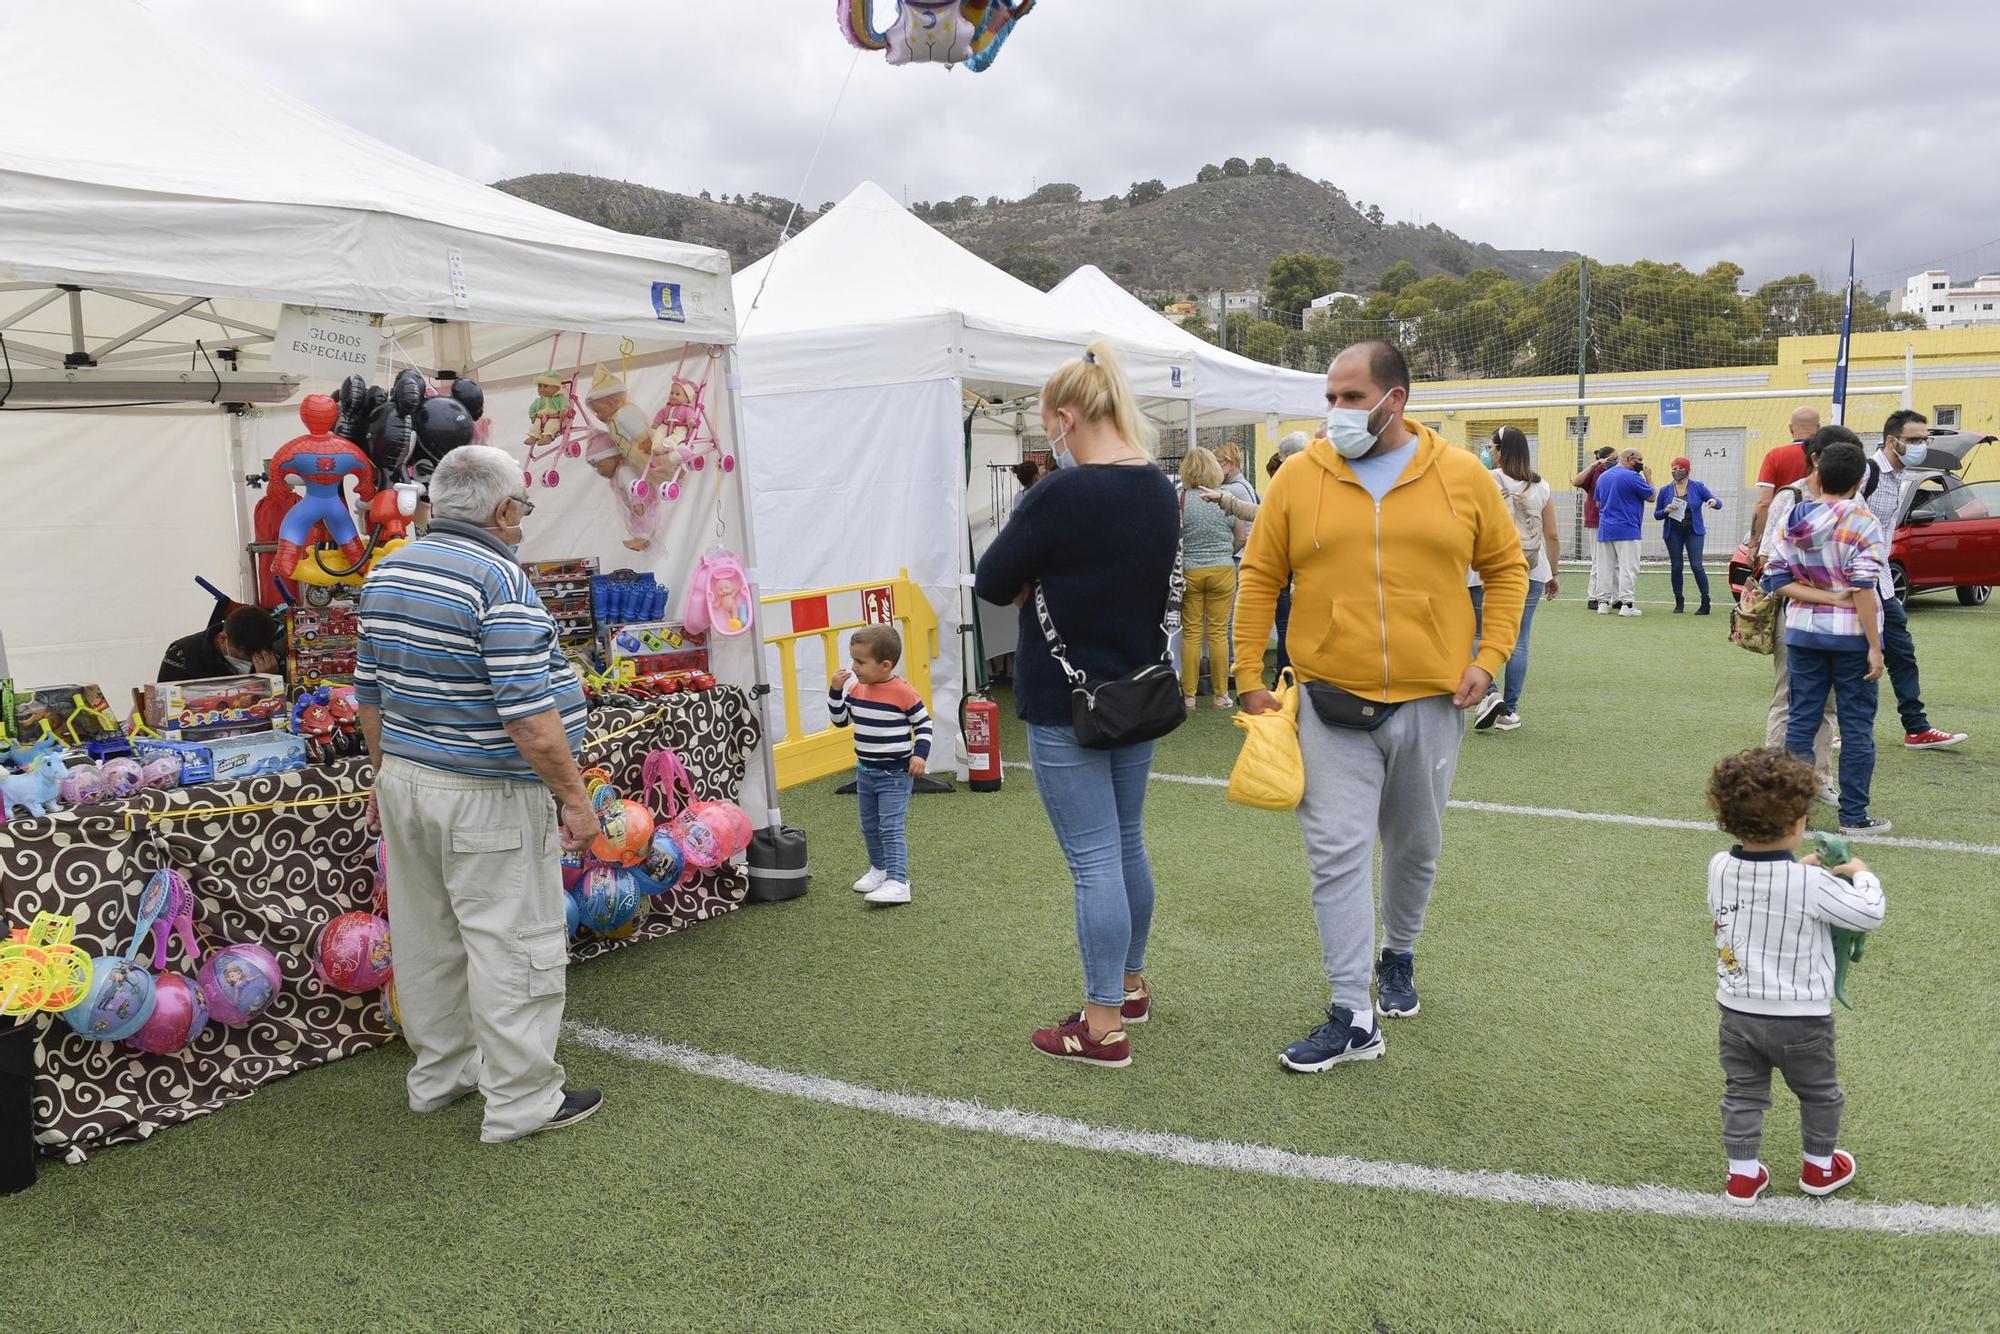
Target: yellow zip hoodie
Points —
{"points": [[1379, 607]]}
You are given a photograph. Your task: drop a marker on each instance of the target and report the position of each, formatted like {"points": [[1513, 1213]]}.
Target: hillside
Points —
{"points": [[1198, 237]]}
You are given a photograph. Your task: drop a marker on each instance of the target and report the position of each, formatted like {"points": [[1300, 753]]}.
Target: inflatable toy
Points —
{"points": [[180, 1015], [608, 899], [117, 1000], [352, 953], [239, 981]]}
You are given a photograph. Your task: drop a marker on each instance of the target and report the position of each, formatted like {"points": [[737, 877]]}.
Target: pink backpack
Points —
{"points": [[718, 596], [710, 832]]}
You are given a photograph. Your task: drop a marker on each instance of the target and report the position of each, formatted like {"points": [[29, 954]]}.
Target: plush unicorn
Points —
{"points": [[24, 757], [35, 789]]}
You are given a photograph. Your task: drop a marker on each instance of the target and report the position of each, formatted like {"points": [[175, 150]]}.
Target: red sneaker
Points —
{"points": [[1138, 1007], [1825, 1180], [1932, 739], [1071, 1041], [1745, 1190]]}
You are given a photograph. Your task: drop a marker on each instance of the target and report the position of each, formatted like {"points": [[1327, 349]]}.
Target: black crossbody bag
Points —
{"points": [[1339, 708], [1142, 706]]}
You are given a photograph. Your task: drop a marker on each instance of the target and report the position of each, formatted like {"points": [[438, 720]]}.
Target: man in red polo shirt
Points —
{"points": [[1599, 588], [1782, 466]]}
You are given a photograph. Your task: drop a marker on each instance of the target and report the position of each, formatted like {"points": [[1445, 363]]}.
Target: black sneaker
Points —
{"points": [[1867, 824], [577, 1105], [1338, 1039], [1396, 984], [1591, 605]]}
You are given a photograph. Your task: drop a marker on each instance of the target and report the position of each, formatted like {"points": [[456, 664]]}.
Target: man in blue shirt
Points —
{"points": [[472, 715], [1622, 493]]}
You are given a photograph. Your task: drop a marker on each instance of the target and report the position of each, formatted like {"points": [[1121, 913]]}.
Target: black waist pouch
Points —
{"points": [[1338, 708]]}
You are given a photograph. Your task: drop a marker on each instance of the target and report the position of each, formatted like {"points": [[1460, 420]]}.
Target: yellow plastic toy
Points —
{"points": [[40, 969], [1269, 773]]}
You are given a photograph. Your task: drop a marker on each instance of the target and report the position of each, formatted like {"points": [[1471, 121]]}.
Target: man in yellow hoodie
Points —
{"points": [[1377, 526]]}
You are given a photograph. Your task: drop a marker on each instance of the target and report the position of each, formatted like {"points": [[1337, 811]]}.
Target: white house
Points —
{"points": [[1944, 306]]}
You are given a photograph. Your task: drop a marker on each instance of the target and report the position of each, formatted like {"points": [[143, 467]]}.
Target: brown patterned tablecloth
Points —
{"points": [[275, 877]]}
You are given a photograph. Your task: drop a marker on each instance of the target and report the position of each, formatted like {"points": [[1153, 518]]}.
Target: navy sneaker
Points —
{"points": [[1336, 1040], [1396, 984]]}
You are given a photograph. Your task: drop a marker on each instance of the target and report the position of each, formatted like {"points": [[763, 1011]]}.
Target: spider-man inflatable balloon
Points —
{"points": [[321, 462]]}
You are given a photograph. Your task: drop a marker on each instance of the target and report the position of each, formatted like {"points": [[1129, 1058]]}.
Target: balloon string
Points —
{"points": [[798, 200]]}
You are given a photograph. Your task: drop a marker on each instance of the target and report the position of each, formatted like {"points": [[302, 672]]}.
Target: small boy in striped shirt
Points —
{"points": [[892, 745], [1774, 965]]}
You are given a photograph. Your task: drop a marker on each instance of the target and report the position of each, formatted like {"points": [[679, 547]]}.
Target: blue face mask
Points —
{"points": [[1485, 458], [1914, 455], [1348, 430], [1064, 459]]}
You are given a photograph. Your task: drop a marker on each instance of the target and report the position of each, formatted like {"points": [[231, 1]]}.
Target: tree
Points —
{"points": [[1292, 282], [965, 204], [1124, 268], [1110, 203], [1031, 268], [943, 211], [1263, 166], [706, 195], [1375, 215], [1397, 277], [994, 201], [1235, 166], [1056, 192], [1211, 172], [1144, 192], [1199, 327]]}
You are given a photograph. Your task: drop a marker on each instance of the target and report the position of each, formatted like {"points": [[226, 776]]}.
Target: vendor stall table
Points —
{"points": [[271, 860]]}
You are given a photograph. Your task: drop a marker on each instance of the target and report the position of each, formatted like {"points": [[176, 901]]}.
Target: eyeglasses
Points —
{"points": [[527, 505]]}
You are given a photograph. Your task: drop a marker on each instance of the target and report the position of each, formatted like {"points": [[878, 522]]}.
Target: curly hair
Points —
{"points": [[1758, 795]]}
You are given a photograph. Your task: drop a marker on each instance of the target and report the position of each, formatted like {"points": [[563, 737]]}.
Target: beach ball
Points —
{"points": [[712, 832], [628, 834], [122, 776], [380, 900], [238, 981], [117, 1001], [392, 1010], [180, 1014], [352, 953], [573, 866], [666, 860], [607, 899], [572, 915]]}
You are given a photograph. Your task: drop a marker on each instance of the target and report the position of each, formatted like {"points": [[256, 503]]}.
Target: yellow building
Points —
{"points": [[1730, 416]]}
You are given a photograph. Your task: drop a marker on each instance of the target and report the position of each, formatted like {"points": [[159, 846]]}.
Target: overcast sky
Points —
{"points": [[1761, 131]]}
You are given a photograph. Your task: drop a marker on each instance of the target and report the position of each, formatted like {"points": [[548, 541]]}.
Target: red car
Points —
{"points": [[1949, 538]]}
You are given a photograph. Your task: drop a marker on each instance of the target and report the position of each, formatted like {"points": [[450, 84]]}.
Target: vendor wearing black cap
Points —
{"points": [[237, 642]]}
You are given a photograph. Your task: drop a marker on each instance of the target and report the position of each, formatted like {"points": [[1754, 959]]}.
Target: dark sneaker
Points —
{"points": [[1489, 713], [1396, 984], [1744, 1190], [1827, 1180], [1332, 1042], [1591, 605], [1867, 824], [1071, 1041], [1138, 1007], [577, 1105]]}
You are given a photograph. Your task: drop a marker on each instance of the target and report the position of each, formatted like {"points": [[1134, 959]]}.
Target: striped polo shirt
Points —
{"points": [[453, 644], [890, 722], [1773, 939]]}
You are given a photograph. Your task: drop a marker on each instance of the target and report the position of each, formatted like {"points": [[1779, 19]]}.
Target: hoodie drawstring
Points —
{"points": [[1319, 506]]}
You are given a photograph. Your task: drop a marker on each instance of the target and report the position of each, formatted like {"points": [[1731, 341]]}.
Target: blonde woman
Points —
{"points": [[1210, 540], [1097, 536]]}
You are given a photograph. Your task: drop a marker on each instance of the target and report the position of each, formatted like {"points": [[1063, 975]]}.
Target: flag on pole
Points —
{"points": [[1846, 334]]}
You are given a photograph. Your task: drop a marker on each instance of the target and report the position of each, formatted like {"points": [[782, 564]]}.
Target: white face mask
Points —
{"points": [[1347, 429], [241, 666]]}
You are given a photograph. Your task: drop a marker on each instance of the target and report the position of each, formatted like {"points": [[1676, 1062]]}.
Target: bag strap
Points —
{"points": [[664, 773], [1170, 626]]}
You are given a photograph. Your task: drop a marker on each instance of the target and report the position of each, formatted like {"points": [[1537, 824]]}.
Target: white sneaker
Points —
{"points": [[1629, 610], [891, 892], [1604, 608], [871, 882], [1829, 794]]}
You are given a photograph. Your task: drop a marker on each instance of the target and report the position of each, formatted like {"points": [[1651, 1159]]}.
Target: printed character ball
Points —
{"points": [[573, 866], [180, 1015], [117, 1001], [352, 953], [628, 834], [572, 915], [666, 860], [607, 899], [380, 900], [392, 1010], [238, 981]]}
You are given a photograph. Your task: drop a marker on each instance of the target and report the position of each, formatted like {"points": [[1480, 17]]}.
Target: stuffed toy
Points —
{"points": [[945, 32], [643, 464]]}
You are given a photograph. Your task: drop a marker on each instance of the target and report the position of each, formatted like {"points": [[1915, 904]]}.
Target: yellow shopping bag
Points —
{"points": [[1269, 774]]}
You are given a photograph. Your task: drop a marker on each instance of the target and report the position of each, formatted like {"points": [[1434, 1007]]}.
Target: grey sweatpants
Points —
{"points": [[1392, 781], [1801, 1047]]}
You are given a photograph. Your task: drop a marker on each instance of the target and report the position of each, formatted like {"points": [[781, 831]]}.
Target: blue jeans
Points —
{"points": [[1096, 801], [885, 807], [1684, 541], [1899, 655], [1516, 674], [1814, 672]]}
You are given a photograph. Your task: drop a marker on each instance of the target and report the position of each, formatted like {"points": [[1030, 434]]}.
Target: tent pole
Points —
{"points": [[1191, 425], [232, 464], [733, 378]]}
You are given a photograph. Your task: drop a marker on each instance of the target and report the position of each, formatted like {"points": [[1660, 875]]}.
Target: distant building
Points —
{"points": [[1251, 300], [1944, 306], [1322, 302], [1182, 310]]}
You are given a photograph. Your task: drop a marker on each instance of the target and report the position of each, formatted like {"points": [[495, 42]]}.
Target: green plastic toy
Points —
{"points": [[1847, 945]]}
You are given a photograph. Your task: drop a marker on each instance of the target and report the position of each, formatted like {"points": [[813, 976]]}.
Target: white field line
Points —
{"points": [[1603, 817], [1535, 1191]]}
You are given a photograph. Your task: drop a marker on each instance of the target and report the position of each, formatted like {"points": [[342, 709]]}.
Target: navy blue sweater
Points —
{"points": [[1101, 541]]}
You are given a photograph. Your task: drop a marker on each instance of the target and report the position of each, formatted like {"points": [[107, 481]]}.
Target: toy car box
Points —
{"points": [[216, 706], [224, 758], [657, 648]]}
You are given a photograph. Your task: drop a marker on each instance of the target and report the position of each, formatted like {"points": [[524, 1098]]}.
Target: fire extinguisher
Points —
{"points": [[982, 743]]}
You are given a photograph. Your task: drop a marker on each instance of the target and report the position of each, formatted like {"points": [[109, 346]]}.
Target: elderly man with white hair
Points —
{"points": [[473, 715]]}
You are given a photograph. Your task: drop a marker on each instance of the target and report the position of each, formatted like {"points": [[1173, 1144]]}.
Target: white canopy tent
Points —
{"points": [[151, 232], [868, 340]]}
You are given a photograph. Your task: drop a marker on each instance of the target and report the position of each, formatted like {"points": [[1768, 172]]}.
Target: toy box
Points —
{"points": [[216, 706], [564, 588], [224, 758], [656, 648], [321, 641], [77, 714]]}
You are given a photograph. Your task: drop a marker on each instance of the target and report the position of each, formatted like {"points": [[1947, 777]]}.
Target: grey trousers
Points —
{"points": [[1392, 781], [1781, 712], [1801, 1048], [1601, 580]]}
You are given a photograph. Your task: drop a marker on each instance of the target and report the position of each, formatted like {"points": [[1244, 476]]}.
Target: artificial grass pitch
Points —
{"points": [[1568, 1029]]}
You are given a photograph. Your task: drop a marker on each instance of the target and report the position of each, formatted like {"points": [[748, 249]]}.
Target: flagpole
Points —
{"points": [[1846, 336]]}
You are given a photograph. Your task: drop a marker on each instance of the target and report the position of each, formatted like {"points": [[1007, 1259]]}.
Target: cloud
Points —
{"points": [[1694, 131]]}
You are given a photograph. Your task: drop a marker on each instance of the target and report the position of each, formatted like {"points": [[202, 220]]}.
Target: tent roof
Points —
{"points": [[915, 305], [1225, 382], [171, 170]]}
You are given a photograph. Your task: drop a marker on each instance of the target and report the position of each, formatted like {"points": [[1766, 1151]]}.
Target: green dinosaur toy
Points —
{"points": [[1847, 945]]}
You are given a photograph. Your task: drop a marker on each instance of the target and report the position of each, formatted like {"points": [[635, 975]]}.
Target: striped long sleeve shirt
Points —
{"points": [[1773, 929], [454, 644], [889, 720]]}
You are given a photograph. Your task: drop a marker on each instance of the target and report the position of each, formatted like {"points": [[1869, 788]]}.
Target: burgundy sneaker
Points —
{"points": [[1932, 739], [1138, 1007], [1824, 1180], [1745, 1190], [1071, 1041]]}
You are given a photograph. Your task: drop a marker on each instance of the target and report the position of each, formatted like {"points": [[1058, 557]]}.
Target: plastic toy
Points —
{"points": [[117, 1000], [573, 867], [379, 900], [37, 789], [313, 721], [166, 908], [1848, 945], [346, 722], [180, 1015], [709, 832], [239, 981], [572, 915], [946, 32], [666, 860], [607, 899], [352, 953], [392, 1009], [82, 785], [160, 771], [40, 969], [718, 595], [321, 462], [627, 834], [551, 413], [122, 776]]}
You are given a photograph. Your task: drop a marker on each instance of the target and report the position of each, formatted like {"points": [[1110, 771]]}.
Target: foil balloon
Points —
{"points": [[180, 1015], [352, 953], [117, 1001], [607, 899], [238, 981], [627, 834]]}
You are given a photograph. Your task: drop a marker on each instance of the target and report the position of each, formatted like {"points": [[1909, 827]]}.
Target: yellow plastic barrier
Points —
{"points": [[826, 614]]}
